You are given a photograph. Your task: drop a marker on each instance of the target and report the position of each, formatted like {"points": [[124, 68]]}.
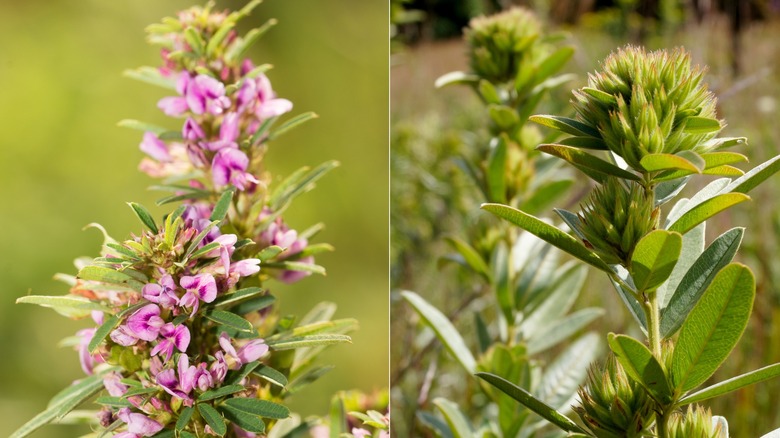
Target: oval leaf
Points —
{"points": [[660, 162], [641, 365], [701, 125], [261, 408], [713, 327], [706, 210], [654, 258], [213, 419]]}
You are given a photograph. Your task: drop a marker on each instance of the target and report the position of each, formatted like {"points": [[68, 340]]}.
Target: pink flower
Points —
{"points": [[192, 131], [257, 96], [145, 323], [123, 336], [163, 294], [113, 385], [229, 167], [228, 134], [87, 359], [174, 336], [177, 105], [155, 148], [138, 425], [200, 287], [206, 94], [250, 352]]}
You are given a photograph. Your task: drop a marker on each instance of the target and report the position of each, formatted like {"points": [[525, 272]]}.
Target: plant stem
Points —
{"points": [[653, 317]]}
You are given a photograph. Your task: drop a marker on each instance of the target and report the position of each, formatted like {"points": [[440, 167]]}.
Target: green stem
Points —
{"points": [[653, 316]]}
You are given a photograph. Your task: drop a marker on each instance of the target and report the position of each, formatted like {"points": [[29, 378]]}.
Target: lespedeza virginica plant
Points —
{"points": [[645, 126], [188, 341]]}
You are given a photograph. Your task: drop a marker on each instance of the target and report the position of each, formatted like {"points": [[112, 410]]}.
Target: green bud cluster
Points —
{"points": [[500, 42], [648, 102], [696, 422], [612, 405], [614, 217]]}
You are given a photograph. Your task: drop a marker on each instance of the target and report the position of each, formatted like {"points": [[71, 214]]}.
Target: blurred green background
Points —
{"points": [[64, 164]]}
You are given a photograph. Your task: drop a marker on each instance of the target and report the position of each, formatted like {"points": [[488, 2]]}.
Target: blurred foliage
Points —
{"points": [[64, 164], [423, 121]]}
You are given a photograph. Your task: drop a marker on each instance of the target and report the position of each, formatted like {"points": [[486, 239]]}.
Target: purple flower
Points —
{"points": [[242, 268], [138, 425], [155, 148], [87, 359], [145, 323], [200, 287], [113, 385], [192, 131], [206, 94], [174, 336], [360, 433], [228, 133], [123, 336], [229, 167], [250, 352], [163, 294], [290, 276], [219, 367], [279, 234], [225, 249], [178, 387], [258, 97], [176, 105]]}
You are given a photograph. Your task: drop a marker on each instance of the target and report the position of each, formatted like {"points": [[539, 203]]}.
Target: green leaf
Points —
{"points": [[222, 205], [755, 176], [102, 332], [219, 36], [220, 392], [231, 320], [558, 299], [338, 417], [495, 175], [240, 48], [563, 329], [661, 162], [195, 41], [667, 190], [565, 124], [73, 306], [296, 266], [698, 277], [261, 408], [144, 215], [184, 417], [141, 126], [151, 75], [546, 194], [504, 296], [456, 77], [715, 159], [724, 170], [308, 341], [601, 96], [239, 296], [292, 123], [444, 330], [553, 63], [532, 403], [62, 403], [254, 305], [108, 275], [298, 183], [585, 143], [203, 250], [692, 248], [733, 384], [248, 422], [654, 258], [471, 256], [235, 377], [198, 239], [701, 125], [271, 375], [488, 92], [562, 377], [457, 421], [706, 210], [548, 233], [434, 423], [504, 117], [117, 402], [591, 165], [270, 252], [213, 418], [640, 364], [713, 327]]}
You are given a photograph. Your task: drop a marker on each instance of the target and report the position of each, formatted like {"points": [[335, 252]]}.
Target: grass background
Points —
{"points": [[64, 164]]}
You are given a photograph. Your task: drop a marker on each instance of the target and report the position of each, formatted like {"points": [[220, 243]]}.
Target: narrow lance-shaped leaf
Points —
{"points": [[698, 277], [706, 210], [213, 418], [755, 176], [561, 330], [548, 233], [459, 424], [654, 258], [69, 304], [591, 165], [144, 215], [733, 384], [496, 180], [641, 365], [659, 162], [567, 125], [553, 63], [713, 327], [562, 377], [292, 123], [222, 205], [532, 403], [471, 256], [444, 330]]}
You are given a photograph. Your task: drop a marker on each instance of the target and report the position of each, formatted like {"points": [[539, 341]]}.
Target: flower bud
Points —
{"points": [[612, 405], [614, 217], [695, 422], [641, 103], [500, 42]]}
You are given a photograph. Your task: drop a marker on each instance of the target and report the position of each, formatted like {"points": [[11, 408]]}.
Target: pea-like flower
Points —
{"points": [[146, 323], [163, 293], [138, 425], [229, 167], [173, 336]]}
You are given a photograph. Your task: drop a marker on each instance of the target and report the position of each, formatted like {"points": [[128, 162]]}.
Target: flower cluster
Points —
{"points": [[185, 326]]}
